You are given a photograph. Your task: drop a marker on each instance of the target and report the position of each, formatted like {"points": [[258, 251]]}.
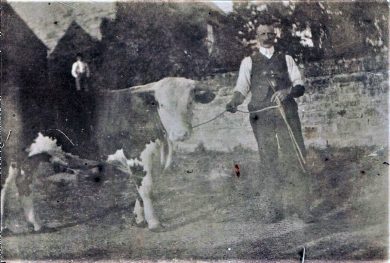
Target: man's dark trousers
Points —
{"points": [[82, 82], [285, 185]]}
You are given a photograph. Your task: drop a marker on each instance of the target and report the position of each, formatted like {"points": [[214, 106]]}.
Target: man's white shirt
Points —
{"points": [[79, 67], [244, 76]]}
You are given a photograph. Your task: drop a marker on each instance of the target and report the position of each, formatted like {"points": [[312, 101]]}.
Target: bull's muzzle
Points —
{"points": [[179, 136]]}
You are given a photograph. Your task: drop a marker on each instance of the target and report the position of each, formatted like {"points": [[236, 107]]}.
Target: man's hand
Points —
{"points": [[230, 107], [237, 99], [282, 95]]}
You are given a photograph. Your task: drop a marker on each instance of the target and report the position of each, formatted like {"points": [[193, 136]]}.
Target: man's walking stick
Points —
{"points": [[298, 152]]}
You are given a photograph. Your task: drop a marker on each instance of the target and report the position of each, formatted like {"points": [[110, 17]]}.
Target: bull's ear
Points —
{"points": [[148, 88], [203, 96]]}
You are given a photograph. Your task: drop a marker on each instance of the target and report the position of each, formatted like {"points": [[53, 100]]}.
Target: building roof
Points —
{"points": [[50, 20], [16, 31], [75, 39]]}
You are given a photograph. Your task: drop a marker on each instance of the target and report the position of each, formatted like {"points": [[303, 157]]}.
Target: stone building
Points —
{"points": [[23, 78], [24, 55], [75, 40]]}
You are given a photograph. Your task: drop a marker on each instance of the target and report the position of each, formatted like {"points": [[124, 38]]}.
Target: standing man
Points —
{"points": [[80, 71], [274, 77]]}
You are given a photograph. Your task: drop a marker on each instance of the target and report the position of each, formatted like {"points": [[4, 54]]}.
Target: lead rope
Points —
{"points": [[298, 152], [220, 114], [203, 123]]}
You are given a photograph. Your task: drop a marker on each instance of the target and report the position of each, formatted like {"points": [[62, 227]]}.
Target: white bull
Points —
{"points": [[174, 98]]}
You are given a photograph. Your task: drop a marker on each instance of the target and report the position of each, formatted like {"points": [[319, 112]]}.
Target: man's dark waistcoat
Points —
{"points": [[264, 71]]}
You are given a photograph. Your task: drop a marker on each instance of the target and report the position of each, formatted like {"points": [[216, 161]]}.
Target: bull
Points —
{"points": [[144, 124], [139, 125]]}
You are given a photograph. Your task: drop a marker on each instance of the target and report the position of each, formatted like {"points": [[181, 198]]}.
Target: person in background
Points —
{"points": [[81, 73]]}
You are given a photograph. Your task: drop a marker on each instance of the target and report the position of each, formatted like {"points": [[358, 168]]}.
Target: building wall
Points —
{"points": [[347, 104], [24, 61]]}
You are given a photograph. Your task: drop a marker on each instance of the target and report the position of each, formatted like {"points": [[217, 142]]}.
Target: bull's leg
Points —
{"points": [[139, 212], [28, 208], [13, 172], [150, 158], [145, 193], [29, 212], [138, 174]]}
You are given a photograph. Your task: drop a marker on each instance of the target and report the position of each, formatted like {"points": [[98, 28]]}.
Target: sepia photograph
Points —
{"points": [[194, 131]]}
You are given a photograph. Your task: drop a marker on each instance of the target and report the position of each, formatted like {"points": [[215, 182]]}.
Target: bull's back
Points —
{"points": [[126, 121]]}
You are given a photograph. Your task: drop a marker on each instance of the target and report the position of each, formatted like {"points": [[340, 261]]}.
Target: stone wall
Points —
{"points": [[345, 104]]}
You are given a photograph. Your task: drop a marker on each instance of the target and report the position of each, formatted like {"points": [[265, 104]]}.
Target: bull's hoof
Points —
{"points": [[273, 217], [45, 229], [158, 228], [141, 224], [308, 218]]}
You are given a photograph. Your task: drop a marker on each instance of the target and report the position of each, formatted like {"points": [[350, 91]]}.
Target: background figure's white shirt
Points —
{"points": [[79, 67], [244, 76]]}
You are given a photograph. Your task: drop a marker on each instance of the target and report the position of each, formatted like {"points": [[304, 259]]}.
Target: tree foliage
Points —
{"points": [[149, 41], [314, 30]]}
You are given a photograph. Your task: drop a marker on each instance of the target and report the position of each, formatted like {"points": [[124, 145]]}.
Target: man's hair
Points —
{"points": [[265, 20], [79, 55]]}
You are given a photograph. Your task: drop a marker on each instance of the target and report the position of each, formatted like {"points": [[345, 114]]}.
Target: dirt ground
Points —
{"points": [[210, 213]]}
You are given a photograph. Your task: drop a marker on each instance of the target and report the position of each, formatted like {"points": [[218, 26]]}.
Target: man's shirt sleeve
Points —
{"points": [[74, 67], [293, 71], [244, 77]]}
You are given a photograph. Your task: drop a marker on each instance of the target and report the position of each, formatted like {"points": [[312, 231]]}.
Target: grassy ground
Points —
{"points": [[210, 213]]}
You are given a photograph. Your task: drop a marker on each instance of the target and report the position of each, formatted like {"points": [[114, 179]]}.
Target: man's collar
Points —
{"points": [[268, 52]]}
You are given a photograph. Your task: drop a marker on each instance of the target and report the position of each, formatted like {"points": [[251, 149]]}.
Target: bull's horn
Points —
{"points": [[143, 88]]}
